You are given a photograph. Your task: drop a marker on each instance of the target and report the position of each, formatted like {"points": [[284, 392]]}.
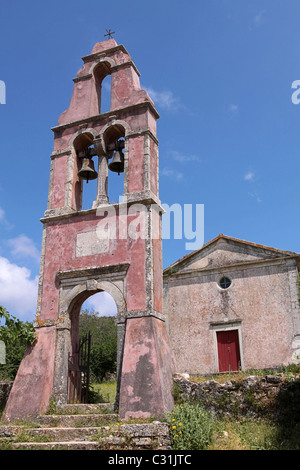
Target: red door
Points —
{"points": [[228, 350]]}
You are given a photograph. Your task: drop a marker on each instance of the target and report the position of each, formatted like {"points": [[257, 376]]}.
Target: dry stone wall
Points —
{"points": [[254, 395]]}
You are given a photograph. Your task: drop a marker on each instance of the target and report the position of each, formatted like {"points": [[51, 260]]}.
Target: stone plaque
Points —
{"points": [[91, 243]]}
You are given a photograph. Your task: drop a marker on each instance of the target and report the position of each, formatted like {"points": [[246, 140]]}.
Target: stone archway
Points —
{"points": [[75, 288]]}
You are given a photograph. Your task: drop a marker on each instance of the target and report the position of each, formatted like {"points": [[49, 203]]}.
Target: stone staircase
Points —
{"points": [[84, 427]]}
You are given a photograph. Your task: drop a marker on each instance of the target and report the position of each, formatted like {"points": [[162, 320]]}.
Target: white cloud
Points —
{"points": [[103, 303], [23, 247], [249, 176], [165, 98], [255, 196], [259, 18], [173, 174], [233, 108], [18, 291], [3, 220], [182, 158]]}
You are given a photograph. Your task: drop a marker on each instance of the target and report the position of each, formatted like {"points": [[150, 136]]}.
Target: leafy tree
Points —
{"points": [[16, 329], [16, 335], [103, 357]]}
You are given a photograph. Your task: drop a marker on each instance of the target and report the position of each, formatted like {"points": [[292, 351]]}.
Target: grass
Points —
{"points": [[104, 392], [254, 434], [244, 434]]}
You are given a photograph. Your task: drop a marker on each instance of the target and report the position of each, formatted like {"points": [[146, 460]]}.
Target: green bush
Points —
{"points": [[191, 427], [16, 335]]}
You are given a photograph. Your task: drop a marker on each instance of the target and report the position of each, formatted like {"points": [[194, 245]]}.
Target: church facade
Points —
{"points": [[233, 305]]}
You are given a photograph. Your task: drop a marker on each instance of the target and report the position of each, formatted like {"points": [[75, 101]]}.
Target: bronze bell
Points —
{"points": [[117, 163], [87, 171]]}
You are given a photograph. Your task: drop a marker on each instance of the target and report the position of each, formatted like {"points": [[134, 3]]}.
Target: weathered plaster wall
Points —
{"points": [[28, 388], [136, 171], [146, 375], [261, 302], [60, 255]]}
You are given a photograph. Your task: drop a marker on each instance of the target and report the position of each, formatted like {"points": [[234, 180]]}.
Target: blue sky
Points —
{"points": [[220, 73]]}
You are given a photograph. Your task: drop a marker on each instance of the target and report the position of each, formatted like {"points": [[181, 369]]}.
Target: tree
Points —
{"points": [[16, 335]]}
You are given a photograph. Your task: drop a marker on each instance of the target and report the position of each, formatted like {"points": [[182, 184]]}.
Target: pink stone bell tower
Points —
{"points": [[112, 247]]}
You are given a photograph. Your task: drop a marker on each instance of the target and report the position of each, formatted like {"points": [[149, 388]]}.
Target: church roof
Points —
{"points": [[259, 253]]}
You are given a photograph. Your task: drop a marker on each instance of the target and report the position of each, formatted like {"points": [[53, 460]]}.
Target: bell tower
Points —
{"points": [[112, 247]]}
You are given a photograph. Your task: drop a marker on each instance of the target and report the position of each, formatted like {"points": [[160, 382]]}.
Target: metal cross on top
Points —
{"points": [[109, 33]]}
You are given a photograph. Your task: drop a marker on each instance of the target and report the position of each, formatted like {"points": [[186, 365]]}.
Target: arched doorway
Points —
{"points": [[76, 286], [98, 330], [93, 355]]}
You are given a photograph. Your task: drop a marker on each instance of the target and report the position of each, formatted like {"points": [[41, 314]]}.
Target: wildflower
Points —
{"points": [[179, 424], [173, 427], [173, 419]]}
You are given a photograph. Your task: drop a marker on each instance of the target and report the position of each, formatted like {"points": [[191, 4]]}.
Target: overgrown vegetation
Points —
{"points": [[194, 427], [191, 427], [16, 335]]}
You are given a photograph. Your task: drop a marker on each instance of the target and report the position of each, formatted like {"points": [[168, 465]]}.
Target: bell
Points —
{"points": [[117, 163], [87, 171]]}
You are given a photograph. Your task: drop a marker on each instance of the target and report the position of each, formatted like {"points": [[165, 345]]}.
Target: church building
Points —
{"points": [[233, 305]]}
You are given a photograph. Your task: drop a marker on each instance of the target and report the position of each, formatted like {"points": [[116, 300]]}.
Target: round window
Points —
{"points": [[224, 282]]}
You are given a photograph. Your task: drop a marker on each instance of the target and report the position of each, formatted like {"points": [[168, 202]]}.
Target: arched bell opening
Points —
{"points": [[102, 77], [86, 162], [114, 138], [106, 94], [93, 362]]}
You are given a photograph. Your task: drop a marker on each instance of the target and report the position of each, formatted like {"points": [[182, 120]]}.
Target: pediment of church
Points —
{"points": [[226, 251]]}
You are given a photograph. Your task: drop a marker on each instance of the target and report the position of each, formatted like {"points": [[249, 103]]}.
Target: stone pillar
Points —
{"points": [[102, 182], [146, 383]]}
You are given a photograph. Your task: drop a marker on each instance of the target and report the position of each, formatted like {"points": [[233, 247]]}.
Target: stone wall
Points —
{"points": [[255, 395], [5, 388]]}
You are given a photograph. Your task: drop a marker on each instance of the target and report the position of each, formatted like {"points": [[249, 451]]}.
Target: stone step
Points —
{"points": [[80, 432], [76, 420], [103, 443], [66, 434], [83, 408], [68, 445]]}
